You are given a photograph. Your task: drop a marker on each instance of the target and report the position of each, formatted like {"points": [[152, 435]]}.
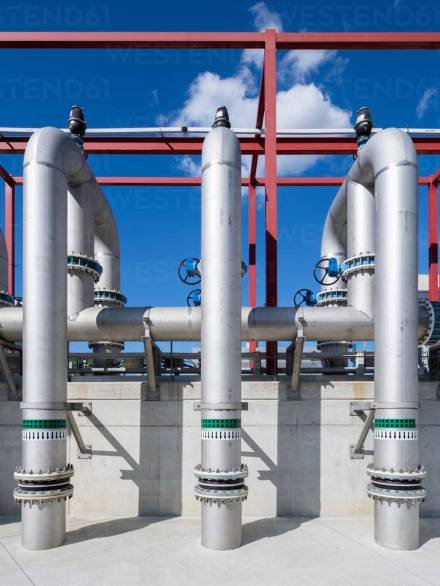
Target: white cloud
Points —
{"points": [[297, 65], [301, 105], [209, 91], [265, 18], [189, 166], [425, 101]]}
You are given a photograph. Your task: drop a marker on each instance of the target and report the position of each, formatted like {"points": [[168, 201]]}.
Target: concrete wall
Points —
{"points": [[144, 451]]}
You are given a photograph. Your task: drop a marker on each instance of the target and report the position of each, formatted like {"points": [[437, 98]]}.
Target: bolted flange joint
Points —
{"points": [[81, 262], [109, 297], [43, 487], [221, 485]]}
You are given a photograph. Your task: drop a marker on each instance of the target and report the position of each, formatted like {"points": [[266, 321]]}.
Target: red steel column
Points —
{"points": [[270, 165], [252, 253], [10, 235], [433, 241]]}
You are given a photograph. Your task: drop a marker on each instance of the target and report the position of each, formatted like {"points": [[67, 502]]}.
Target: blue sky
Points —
{"points": [[159, 226]]}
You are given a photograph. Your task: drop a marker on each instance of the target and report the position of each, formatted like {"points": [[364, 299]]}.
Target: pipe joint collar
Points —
{"points": [[109, 297], [331, 297], [81, 262], [355, 264]]}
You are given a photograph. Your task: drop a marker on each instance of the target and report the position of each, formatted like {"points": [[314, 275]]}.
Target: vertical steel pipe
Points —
{"points": [[52, 162], [107, 289], [334, 294], [361, 218], [389, 162], [80, 278], [396, 376], [221, 476]]}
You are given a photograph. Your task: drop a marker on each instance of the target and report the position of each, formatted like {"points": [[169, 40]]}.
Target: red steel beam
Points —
{"points": [[10, 234], [196, 181], [369, 41], [258, 124], [131, 40], [270, 172], [433, 241], [252, 252], [158, 145], [252, 216], [218, 40], [7, 178]]}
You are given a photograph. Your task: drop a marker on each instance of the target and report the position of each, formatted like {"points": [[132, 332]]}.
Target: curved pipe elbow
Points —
{"points": [[52, 147], [390, 148]]}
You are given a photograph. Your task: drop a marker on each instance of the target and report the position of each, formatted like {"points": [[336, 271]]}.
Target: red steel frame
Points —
{"points": [[268, 146]]}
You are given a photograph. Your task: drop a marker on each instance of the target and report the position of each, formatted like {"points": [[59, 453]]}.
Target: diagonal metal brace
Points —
{"points": [[359, 408], [152, 359], [298, 347], [12, 389], [84, 451]]}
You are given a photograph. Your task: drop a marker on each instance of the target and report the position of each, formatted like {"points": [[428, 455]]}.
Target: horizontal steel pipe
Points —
{"points": [[183, 323]]}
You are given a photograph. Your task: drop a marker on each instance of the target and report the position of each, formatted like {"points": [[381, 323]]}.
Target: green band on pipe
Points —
{"points": [[43, 423], [395, 423], [221, 423]]}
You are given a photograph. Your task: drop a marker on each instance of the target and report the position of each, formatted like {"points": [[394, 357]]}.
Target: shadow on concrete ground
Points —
{"points": [[429, 529], [110, 528], [270, 527]]}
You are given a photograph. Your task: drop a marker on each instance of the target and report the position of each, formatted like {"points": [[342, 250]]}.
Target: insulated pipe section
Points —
{"points": [[52, 162], [106, 252], [182, 324], [82, 272], [389, 162], [359, 274], [107, 290], [221, 475], [334, 294]]}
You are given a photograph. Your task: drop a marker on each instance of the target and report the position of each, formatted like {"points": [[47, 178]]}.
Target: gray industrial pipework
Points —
{"points": [[80, 231], [92, 237], [182, 324], [334, 295], [220, 476], [107, 289], [361, 236], [388, 164], [52, 164], [93, 257]]}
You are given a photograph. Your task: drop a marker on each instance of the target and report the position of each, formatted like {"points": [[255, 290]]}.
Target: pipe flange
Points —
{"points": [[49, 476], [109, 297], [81, 262], [39, 496], [391, 474], [355, 264], [432, 334], [209, 495], [6, 300], [398, 496], [331, 296], [108, 344], [214, 475]]}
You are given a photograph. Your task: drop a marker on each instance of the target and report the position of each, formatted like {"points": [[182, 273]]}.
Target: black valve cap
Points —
{"points": [[221, 118], [76, 123], [364, 121]]}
